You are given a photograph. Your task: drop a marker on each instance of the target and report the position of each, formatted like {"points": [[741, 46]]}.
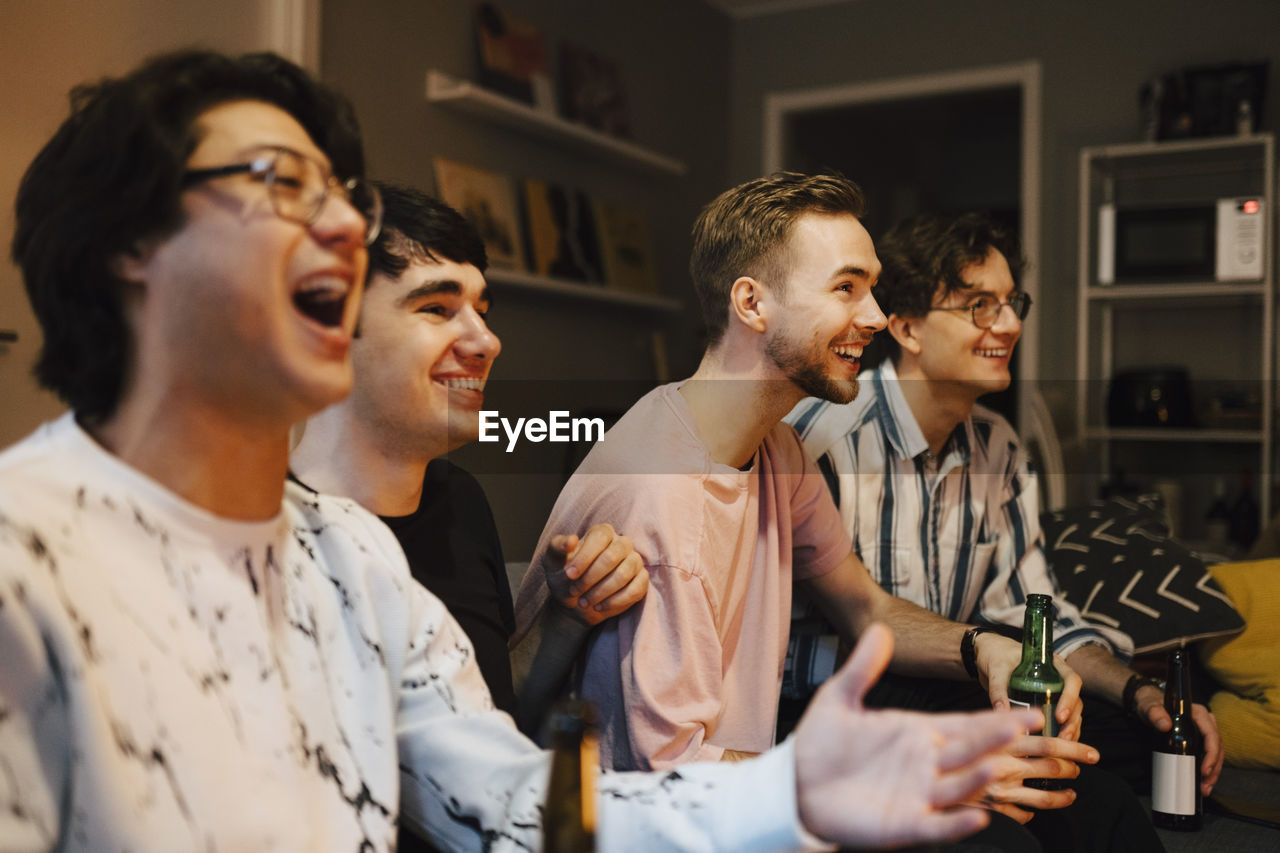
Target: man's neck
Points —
{"points": [[938, 407], [233, 469], [338, 455], [736, 402]]}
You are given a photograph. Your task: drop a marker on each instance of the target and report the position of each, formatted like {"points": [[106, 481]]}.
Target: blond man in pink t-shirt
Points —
{"points": [[724, 508]]}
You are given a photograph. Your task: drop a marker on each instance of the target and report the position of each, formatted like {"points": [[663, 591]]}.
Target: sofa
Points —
{"points": [[1116, 560], [1223, 833]]}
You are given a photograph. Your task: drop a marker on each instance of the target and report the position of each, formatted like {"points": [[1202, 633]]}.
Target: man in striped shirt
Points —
{"points": [[934, 489]]}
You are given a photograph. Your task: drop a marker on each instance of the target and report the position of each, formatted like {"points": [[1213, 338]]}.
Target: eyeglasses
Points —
{"points": [[985, 310], [299, 186]]}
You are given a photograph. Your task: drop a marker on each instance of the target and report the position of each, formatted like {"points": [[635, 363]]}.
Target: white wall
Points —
{"points": [[46, 47]]}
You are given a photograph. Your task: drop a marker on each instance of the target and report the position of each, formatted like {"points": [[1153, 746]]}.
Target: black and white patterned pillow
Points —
{"points": [[1116, 562]]}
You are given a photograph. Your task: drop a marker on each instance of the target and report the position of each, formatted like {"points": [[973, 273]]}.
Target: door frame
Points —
{"points": [[781, 106], [293, 31]]}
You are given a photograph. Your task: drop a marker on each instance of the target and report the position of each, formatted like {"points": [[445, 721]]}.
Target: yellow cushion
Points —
{"points": [[1248, 664]]}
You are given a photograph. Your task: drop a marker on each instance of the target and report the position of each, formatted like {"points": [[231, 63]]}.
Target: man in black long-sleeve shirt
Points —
{"points": [[422, 354]]}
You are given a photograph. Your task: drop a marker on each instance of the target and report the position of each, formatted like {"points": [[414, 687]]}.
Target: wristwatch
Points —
{"points": [[1129, 698], [968, 653]]}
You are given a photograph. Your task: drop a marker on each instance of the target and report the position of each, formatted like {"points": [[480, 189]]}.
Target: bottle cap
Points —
{"points": [[1040, 601]]}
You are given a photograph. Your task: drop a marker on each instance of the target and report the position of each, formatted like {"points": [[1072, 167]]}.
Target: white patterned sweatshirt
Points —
{"points": [[173, 680]]}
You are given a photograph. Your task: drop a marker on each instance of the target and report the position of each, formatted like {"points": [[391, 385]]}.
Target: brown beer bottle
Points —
{"points": [[569, 816], [1175, 763]]}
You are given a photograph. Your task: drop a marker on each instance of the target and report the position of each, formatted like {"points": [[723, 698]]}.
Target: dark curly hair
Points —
{"points": [[925, 252], [111, 177], [744, 231]]}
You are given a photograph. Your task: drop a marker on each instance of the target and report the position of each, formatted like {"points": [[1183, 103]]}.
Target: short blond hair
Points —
{"points": [[745, 230]]}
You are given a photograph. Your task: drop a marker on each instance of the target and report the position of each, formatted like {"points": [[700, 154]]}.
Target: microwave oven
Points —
{"points": [[1222, 240]]}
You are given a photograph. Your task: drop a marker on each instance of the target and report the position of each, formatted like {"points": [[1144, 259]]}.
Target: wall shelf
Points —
{"points": [[1176, 151], [1188, 435], [465, 96], [1218, 291], [577, 290]]}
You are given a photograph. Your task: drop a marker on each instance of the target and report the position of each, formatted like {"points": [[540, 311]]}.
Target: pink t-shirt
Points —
{"points": [[696, 667]]}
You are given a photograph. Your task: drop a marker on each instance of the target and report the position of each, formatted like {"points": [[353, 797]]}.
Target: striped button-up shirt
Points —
{"points": [[957, 533]]}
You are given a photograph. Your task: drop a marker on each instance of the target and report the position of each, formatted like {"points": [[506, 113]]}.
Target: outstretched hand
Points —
{"points": [[602, 574], [885, 778]]}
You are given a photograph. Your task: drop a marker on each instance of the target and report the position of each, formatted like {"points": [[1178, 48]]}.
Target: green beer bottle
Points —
{"points": [[1036, 682], [569, 816]]}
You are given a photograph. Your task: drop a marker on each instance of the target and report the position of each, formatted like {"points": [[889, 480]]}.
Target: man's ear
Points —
{"points": [[131, 264], [903, 330], [746, 303]]}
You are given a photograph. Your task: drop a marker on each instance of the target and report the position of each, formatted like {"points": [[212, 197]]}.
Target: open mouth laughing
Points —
{"points": [[323, 298], [850, 353]]}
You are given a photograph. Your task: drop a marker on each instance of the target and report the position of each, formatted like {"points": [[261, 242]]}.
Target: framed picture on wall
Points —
{"points": [[488, 201], [512, 57], [626, 247], [562, 232], [591, 91]]}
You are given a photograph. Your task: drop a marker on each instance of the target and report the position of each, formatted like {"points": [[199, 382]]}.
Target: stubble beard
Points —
{"points": [[807, 373]]}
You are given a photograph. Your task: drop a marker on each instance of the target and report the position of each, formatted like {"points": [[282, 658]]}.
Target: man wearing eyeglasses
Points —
{"points": [[196, 654], [726, 510], [934, 488]]}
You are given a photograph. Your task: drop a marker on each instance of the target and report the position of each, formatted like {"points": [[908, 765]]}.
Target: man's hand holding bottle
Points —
{"points": [[1037, 679], [997, 658], [871, 778], [1035, 757]]}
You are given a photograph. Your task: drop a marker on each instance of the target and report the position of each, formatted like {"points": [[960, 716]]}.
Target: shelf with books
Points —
{"points": [[576, 290], [465, 96]]}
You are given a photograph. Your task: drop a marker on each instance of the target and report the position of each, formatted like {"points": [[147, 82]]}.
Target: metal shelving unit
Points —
{"points": [[1211, 321]]}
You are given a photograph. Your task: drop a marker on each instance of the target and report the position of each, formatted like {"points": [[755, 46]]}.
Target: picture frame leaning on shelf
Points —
{"points": [[488, 201]]}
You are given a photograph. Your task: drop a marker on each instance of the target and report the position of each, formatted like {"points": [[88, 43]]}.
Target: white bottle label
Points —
{"points": [[1173, 783]]}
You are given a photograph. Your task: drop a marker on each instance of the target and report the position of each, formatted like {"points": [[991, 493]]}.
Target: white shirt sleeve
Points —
{"points": [[471, 781]]}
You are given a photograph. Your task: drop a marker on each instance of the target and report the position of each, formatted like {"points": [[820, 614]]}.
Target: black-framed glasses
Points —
{"points": [[298, 187], [985, 310]]}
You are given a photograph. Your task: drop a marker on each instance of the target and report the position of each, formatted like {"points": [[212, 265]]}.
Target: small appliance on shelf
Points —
{"points": [[1204, 100], [1150, 397], [1219, 240]]}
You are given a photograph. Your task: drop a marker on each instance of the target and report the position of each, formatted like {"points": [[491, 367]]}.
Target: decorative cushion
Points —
{"points": [[1116, 562], [1248, 664]]}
